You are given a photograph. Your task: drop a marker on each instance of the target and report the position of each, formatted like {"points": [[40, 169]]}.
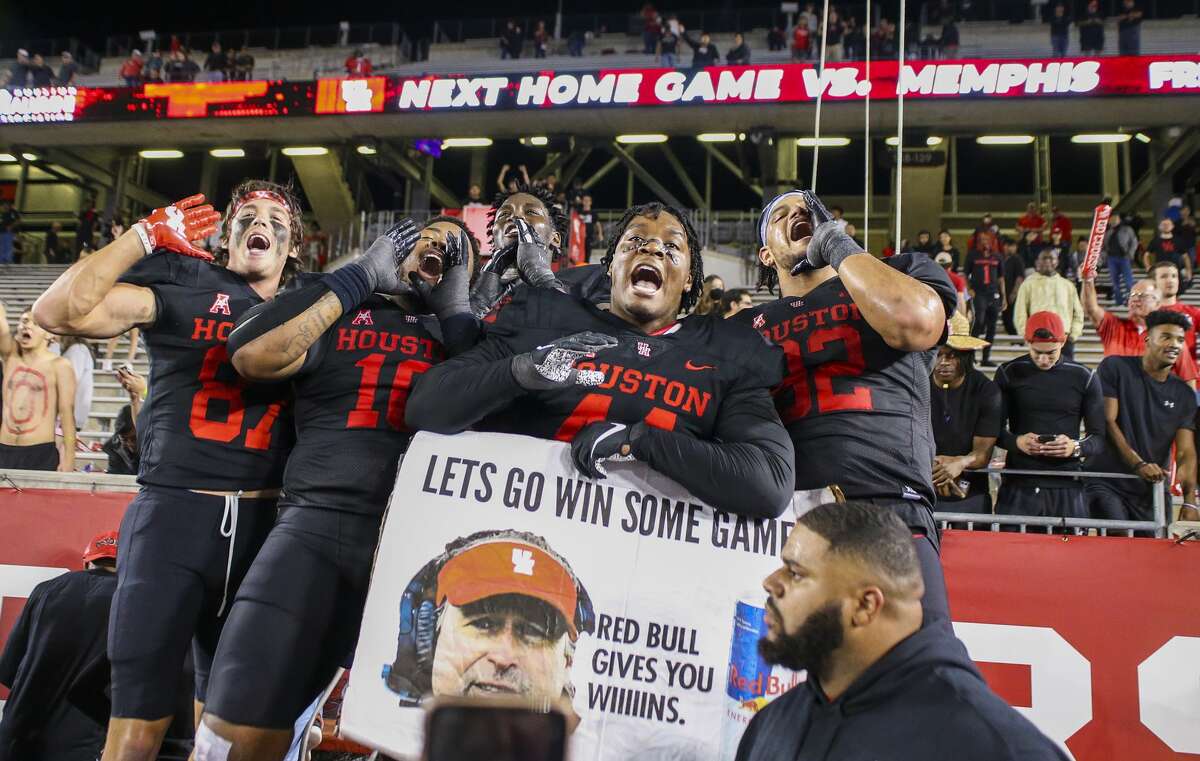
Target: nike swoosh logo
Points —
{"points": [[692, 366]]}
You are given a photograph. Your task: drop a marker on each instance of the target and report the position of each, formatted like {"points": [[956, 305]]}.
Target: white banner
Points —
{"points": [[624, 594]]}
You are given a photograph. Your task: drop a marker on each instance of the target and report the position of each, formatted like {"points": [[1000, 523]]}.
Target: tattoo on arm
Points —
{"points": [[303, 331]]}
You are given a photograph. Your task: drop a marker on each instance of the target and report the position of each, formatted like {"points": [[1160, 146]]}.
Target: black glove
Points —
{"points": [[553, 365], [451, 296], [493, 280], [604, 440], [533, 258], [383, 259], [829, 244]]}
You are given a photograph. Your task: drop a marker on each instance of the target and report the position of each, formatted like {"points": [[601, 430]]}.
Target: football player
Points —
{"points": [[528, 230], [688, 397], [351, 354], [213, 446], [859, 334]]}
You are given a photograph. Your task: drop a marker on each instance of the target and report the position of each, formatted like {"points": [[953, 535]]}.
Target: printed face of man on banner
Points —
{"points": [[508, 613]]}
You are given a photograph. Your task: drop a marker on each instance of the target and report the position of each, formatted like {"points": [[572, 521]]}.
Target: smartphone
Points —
{"points": [[485, 730], [1046, 438], [125, 368]]}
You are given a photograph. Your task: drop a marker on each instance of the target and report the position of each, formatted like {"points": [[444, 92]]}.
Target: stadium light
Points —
{"points": [[536, 140], [227, 153], [466, 142], [1004, 139], [29, 156], [716, 137], [306, 150], [1142, 137], [637, 139], [7, 158], [930, 141], [366, 150], [161, 153], [824, 142], [1095, 137]]}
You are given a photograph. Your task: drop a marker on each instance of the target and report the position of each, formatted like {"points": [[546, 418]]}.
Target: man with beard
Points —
{"points": [[846, 606], [859, 335], [212, 445], [967, 416], [528, 228], [37, 394], [687, 397], [1148, 413], [346, 348]]}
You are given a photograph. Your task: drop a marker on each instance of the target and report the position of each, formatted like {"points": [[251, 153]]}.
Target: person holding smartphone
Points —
{"points": [[1046, 398]]}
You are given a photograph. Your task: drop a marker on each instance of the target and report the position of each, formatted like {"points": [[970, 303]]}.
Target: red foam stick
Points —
{"points": [[1091, 257]]}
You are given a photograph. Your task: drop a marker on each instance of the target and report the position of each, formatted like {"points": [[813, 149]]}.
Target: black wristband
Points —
{"points": [[350, 284]]}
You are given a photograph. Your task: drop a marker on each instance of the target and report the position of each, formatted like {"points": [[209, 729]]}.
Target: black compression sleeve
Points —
{"points": [[460, 332], [265, 317], [454, 395], [1094, 421], [750, 466]]}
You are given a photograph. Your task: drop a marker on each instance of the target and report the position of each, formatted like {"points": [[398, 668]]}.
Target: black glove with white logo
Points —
{"points": [[553, 365], [829, 244], [604, 441]]}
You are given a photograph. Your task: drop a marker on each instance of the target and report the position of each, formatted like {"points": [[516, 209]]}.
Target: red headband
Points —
{"points": [[269, 195]]}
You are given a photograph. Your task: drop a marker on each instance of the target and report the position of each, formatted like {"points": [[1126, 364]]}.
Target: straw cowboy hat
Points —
{"points": [[960, 338]]}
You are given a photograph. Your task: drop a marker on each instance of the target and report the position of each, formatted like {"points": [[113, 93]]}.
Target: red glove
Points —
{"points": [[176, 226]]}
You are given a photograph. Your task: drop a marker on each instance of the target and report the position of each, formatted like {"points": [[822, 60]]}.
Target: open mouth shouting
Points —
{"points": [[646, 279], [25, 335], [799, 228], [258, 243], [432, 262]]}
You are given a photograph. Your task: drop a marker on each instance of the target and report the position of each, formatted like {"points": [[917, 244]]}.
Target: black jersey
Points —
{"points": [[350, 399], [203, 426], [857, 409], [983, 271], [701, 385]]}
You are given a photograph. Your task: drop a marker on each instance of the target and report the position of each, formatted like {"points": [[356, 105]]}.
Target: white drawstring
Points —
{"points": [[229, 521]]}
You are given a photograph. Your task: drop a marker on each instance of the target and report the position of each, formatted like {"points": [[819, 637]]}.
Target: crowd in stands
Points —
{"points": [[33, 71], [1131, 408], [176, 64]]}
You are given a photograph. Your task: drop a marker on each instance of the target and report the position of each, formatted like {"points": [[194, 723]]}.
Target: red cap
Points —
{"points": [[508, 567], [1049, 322], [102, 546]]}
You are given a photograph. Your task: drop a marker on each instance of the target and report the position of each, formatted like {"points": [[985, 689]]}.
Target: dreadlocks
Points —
{"points": [[767, 278], [557, 216], [287, 192], [651, 211]]}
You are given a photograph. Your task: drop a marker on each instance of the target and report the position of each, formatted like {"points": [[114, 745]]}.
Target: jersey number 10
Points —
{"points": [[364, 414]]}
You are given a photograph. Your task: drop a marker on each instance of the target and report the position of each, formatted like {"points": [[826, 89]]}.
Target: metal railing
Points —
{"points": [[272, 38], [1079, 526]]}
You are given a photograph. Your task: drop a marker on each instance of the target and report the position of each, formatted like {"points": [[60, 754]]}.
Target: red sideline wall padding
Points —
{"points": [[1095, 639], [45, 532], [1098, 638]]}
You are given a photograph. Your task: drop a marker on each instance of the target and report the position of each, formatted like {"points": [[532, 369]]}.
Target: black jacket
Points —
{"points": [[923, 701]]}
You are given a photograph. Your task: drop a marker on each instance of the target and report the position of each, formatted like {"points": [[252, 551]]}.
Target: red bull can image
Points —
{"points": [[751, 682]]}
